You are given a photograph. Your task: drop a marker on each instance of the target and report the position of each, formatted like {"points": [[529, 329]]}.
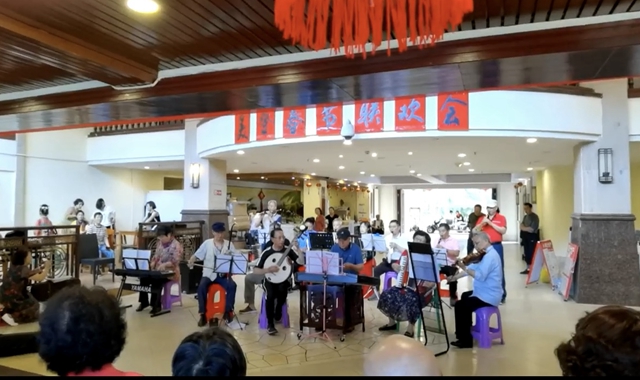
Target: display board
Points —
{"points": [[544, 256], [566, 275]]}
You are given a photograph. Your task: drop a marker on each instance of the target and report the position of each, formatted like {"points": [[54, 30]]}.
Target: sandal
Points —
{"points": [[408, 334]]}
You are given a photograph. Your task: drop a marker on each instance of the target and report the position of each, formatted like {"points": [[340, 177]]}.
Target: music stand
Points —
{"points": [[424, 268]]}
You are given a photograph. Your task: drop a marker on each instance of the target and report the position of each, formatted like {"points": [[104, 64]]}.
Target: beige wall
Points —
{"points": [[357, 201]]}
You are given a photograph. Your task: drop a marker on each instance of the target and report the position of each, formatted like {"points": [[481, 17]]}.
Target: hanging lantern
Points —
{"points": [[358, 22], [296, 183], [318, 184], [308, 185], [368, 191], [344, 188]]}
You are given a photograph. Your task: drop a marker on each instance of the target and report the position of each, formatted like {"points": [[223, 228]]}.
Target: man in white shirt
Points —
{"points": [[108, 214], [396, 244], [207, 253]]}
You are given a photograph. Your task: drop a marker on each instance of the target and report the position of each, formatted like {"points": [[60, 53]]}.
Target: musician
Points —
{"points": [[396, 243], [271, 217], [472, 220], [451, 246], [207, 253], [487, 287], [167, 257], [351, 257], [377, 227], [97, 228], [303, 239], [495, 226], [276, 293]]}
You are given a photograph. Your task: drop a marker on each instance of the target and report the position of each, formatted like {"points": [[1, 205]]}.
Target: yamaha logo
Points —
{"points": [[140, 288]]}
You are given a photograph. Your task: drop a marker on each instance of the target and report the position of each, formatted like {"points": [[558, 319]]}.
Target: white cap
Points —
{"points": [[492, 203]]}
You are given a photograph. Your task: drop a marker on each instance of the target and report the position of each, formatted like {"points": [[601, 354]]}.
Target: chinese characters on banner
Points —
{"points": [[328, 119], [410, 114], [453, 112], [266, 125], [369, 116], [242, 128], [294, 124]]}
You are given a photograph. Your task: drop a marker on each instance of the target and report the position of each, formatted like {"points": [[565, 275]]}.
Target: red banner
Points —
{"points": [[369, 116], [294, 124], [242, 127], [410, 114], [328, 119], [266, 125], [453, 112]]}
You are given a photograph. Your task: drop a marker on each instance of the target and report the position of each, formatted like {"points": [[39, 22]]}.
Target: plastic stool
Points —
{"points": [[215, 309], [262, 320], [388, 279], [167, 298], [444, 293], [482, 332]]}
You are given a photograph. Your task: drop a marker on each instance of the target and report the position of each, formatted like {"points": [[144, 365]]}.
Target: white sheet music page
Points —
{"points": [[130, 256], [321, 261]]}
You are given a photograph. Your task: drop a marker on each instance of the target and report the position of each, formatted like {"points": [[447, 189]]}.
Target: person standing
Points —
{"points": [[529, 234], [452, 248], [332, 215], [472, 220], [495, 226]]}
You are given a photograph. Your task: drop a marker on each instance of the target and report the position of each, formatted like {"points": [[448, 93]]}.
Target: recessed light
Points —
{"points": [[361, 172], [146, 167], [143, 6], [372, 175], [313, 173], [532, 140], [316, 160], [410, 153], [374, 154], [346, 179], [466, 163], [261, 177], [359, 181], [236, 171], [237, 177], [293, 177], [340, 167], [419, 175], [340, 156], [461, 155], [240, 152], [412, 171], [347, 142], [529, 169], [472, 170]]}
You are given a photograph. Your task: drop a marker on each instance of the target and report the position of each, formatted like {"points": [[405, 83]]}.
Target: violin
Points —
{"points": [[474, 258]]}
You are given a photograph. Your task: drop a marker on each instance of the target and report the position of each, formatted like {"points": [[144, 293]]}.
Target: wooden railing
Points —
{"points": [[189, 234], [121, 129]]}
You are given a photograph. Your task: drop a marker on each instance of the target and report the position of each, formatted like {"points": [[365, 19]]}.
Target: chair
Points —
{"points": [[482, 331], [90, 255], [262, 320], [215, 308], [388, 279], [167, 298]]}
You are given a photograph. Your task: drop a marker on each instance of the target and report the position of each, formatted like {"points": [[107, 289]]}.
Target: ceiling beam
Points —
{"points": [[137, 71]]}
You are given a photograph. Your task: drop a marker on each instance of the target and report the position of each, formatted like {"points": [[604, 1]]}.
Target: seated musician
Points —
{"points": [[19, 305], [207, 253], [351, 256], [166, 258], [449, 244], [396, 244], [405, 304], [303, 239], [101, 234], [487, 287], [276, 293]]}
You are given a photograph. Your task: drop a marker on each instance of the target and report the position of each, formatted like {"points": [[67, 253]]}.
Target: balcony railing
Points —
{"points": [[122, 129]]}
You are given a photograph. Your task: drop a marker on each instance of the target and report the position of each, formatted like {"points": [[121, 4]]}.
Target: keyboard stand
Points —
{"points": [[119, 294]]}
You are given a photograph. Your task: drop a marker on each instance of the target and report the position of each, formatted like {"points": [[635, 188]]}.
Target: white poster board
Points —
{"points": [[566, 275], [544, 256]]}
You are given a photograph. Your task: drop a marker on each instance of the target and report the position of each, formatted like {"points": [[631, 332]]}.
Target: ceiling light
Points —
{"points": [[461, 155], [340, 167], [529, 169], [293, 177], [532, 140], [143, 6], [346, 179], [236, 171], [347, 142], [412, 171], [261, 177], [372, 175], [361, 172], [359, 181], [313, 173], [410, 153], [466, 163], [472, 170], [240, 152], [419, 175], [237, 177], [374, 154], [146, 167], [316, 160], [340, 156]]}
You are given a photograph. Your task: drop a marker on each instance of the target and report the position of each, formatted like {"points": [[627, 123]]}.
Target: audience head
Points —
{"points": [[344, 237], [150, 206], [97, 217], [277, 238], [218, 229], [332, 211], [81, 330], [164, 234], [528, 208], [336, 224], [213, 352], [421, 237], [44, 210], [365, 228], [20, 255], [443, 230], [481, 240], [100, 204], [79, 215], [394, 227], [606, 343], [492, 207], [398, 355], [309, 223], [318, 211], [477, 209], [78, 204]]}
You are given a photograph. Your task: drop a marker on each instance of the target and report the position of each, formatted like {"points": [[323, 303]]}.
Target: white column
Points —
{"points": [[388, 203], [591, 196], [21, 151]]}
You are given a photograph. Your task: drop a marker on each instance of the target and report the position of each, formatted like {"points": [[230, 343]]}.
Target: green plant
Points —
{"points": [[291, 205]]}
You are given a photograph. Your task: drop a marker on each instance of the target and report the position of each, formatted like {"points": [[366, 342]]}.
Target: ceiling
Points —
{"points": [[176, 166]]}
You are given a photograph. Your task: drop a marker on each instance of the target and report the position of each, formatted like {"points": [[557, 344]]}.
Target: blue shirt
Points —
{"points": [[487, 282], [303, 240], [351, 255]]}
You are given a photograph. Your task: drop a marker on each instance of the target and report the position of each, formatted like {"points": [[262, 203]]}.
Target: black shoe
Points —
{"points": [[214, 322], [526, 271], [202, 321], [272, 330], [461, 344], [387, 327], [408, 334], [142, 307], [155, 310], [277, 318], [318, 329], [503, 301]]}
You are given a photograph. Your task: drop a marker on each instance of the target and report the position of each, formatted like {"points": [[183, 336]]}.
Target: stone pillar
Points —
{"points": [[608, 270], [208, 202]]}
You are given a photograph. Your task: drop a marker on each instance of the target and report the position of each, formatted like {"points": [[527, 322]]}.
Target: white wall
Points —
{"points": [[508, 208], [7, 181], [56, 173], [135, 147]]}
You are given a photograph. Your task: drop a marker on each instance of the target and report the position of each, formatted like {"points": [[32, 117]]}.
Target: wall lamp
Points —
{"points": [[605, 165], [194, 171]]}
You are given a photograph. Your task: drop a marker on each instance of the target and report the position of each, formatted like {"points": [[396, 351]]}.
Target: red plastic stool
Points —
{"points": [[215, 308]]}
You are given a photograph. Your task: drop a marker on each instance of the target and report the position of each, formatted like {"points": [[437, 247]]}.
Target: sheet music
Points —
{"points": [[223, 264], [440, 254], [373, 242], [130, 256], [423, 268], [320, 261]]}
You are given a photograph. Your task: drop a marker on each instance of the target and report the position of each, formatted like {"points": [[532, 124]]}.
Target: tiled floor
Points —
{"points": [[534, 320]]}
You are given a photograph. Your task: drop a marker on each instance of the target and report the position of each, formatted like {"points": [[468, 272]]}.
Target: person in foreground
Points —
{"points": [[213, 352], [82, 332], [276, 293], [397, 355], [207, 253], [351, 257], [606, 343], [487, 288]]}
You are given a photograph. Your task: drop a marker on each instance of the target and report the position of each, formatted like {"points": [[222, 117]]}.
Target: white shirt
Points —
{"points": [[107, 214], [400, 241], [207, 253]]}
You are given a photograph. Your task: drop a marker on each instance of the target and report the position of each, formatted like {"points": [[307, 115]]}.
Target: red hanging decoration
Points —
{"points": [[358, 22]]}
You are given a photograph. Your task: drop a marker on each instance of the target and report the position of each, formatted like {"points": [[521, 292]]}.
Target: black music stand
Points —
{"points": [[424, 268]]}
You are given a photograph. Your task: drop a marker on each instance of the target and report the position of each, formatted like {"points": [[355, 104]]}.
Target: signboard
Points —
{"points": [[544, 256], [329, 119], [294, 122], [242, 127], [410, 114], [218, 193], [369, 116], [266, 125], [453, 112], [566, 275]]}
